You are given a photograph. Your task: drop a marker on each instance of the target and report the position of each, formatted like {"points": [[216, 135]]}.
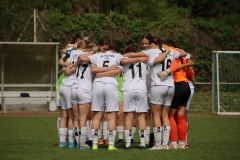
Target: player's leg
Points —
{"points": [[97, 109], [134, 126], [186, 114], [128, 128], [181, 126], [95, 129], [120, 124], [59, 107], [181, 110], [63, 129], [173, 130], [142, 129], [157, 126], [165, 118], [71, 136], [105, 129], [75, 109], [100, 141], [148, 124], [76, 123], [84, 111], [89, 124], [64, 121], [111, 100]]}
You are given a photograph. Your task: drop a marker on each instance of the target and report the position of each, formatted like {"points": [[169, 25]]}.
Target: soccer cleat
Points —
{"points": [[129, 147], [181, 146], [111, 148], [142, 147], [187, 146], [106, 141], [100, 141], [58, 144], [171, 146], [156, 148], [94, 147], [84, 147], [71, 145], [62, 144], [165, 147], [120, 142]]}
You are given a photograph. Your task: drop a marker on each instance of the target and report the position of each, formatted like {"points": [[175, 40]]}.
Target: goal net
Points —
{"points": [[226, 82]]}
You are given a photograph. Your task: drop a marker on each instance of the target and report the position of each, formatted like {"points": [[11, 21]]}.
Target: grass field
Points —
{"points": [[34, 137]]}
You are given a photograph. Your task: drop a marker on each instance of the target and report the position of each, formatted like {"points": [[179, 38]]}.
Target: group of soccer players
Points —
{"points": [[97, 81]]}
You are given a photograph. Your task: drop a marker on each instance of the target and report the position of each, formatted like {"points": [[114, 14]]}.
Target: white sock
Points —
{"points": [[95, 135], [58, 123], [71, 137], [142, 135], [128, 137], [76, 134], [120, 130], [165, 134], [83, 135], [111, 137], [157, 131], [148, 133], [133, 131], [89, 133], [101, 128], [105, 131], [63, 134]]}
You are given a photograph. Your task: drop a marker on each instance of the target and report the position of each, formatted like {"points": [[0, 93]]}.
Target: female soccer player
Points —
{"points": [[105, 89], [81, 96], [178, 106]]}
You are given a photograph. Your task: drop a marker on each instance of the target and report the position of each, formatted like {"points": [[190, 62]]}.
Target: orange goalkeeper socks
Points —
{"points": [[182, 127], [173, 130]]}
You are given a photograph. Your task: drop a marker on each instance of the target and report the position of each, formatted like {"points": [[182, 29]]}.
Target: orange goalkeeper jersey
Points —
{"points": [[179, 75]]}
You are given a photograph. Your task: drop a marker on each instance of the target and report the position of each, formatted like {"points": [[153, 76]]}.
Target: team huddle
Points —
{"points": [[101, 89]]}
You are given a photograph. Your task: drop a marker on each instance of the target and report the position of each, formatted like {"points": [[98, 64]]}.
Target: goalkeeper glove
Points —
{"points": [[163, 74]]}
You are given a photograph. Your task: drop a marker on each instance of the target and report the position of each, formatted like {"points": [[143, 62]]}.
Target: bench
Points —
{"points": [[37, 100]]}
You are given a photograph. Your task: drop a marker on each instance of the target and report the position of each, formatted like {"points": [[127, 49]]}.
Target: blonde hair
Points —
{"points": [[93, 47]]}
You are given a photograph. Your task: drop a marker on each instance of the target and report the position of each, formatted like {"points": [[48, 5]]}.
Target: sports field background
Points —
{"points": [[33, 135]]}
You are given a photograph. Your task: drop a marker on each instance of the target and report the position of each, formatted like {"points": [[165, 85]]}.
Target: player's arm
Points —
{"points": [[134, 54], [182, 52], [162, 56], [96, 69], [134, 60], [189, 63], [81, 59], [110, 73], [63, 62], [70, 71]]}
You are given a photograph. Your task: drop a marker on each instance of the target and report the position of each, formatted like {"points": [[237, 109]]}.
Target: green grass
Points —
{"points": [[33, 138]]}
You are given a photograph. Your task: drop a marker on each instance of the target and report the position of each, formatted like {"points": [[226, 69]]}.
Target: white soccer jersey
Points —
{"points": [[84, 76], [155, 68], [106, 60], [68, 80], [134, 77]]}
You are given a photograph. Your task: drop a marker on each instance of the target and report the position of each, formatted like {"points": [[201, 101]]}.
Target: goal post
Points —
{"points": [[226, 82]]}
